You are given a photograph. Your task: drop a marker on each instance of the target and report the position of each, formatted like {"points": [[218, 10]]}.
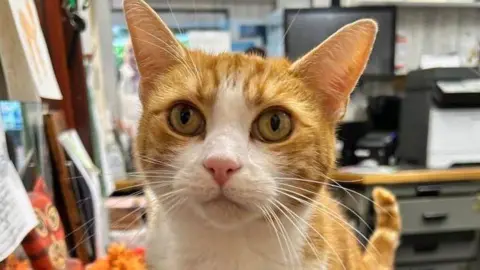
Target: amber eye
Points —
{"points": [[273, 125], [186, 120]]}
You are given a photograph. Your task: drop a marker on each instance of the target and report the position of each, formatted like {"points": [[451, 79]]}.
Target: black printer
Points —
{"points": [[440, 118]]}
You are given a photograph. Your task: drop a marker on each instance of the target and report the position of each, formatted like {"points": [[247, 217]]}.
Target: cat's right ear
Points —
{"points": [[156, 48]]}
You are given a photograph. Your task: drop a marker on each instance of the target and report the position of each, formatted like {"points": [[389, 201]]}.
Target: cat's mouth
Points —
{"points": [[223, 200], [225, 213]]}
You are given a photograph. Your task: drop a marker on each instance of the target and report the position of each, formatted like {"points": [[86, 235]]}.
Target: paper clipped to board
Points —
{"points": [[72, 144], [17, 217], [25, 59]]}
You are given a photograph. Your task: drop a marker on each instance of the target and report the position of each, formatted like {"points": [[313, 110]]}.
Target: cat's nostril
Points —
{"points": [[221, 168]]}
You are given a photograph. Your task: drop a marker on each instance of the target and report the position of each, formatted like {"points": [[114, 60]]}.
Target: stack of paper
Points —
{"points": [[17, 217]]}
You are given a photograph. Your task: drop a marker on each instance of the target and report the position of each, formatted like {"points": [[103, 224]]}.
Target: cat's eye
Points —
{"points": [[273, 125], [186, 120]]}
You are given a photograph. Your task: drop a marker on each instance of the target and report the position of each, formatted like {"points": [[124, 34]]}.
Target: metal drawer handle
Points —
{"points": [[434, 216], [425, 247], [428, 190]]}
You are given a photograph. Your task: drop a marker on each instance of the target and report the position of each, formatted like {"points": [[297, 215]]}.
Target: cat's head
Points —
{"points": [[229, 136]]}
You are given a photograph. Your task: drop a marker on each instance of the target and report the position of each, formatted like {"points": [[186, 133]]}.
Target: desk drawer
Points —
{"points": [[429, 215], [443, 266], [455, 246]]}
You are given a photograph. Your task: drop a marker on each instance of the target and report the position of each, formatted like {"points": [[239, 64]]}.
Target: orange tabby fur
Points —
{"points": [[314, 90], [379, 253]]}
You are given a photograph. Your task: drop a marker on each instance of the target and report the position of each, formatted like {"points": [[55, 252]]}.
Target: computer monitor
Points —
{"points": [[309, 27]]}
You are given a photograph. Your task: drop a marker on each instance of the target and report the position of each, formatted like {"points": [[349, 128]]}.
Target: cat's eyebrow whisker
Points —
{"points": [[290, 25], [289, 216], [335, 201], [175, 56], [173, 51], [173, 15]]}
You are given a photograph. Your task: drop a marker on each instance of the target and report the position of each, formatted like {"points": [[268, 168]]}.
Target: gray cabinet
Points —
{"points": [[442, 266], [441, 223], [439, 214]]}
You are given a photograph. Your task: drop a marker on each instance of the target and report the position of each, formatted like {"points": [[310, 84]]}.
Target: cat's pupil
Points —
{"points": [[185, 115], [275, 122]]}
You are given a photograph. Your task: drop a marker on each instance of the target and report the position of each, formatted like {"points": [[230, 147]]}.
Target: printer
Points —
{"points": [[440, 118]]}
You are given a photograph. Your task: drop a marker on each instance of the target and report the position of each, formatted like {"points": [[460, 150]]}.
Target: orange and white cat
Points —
{"points": [[237, 149]]}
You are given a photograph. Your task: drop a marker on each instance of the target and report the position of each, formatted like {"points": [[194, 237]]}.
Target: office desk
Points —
{"points": [[440, 211]]}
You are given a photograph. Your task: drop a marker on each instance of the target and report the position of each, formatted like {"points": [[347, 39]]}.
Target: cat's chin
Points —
{"points": [[225, 214]]}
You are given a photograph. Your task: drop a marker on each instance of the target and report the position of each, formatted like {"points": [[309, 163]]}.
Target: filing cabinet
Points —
{"points": [[441, 223]]}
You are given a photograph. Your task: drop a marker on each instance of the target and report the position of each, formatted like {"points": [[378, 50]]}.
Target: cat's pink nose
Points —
{"points": [[221, 168]]}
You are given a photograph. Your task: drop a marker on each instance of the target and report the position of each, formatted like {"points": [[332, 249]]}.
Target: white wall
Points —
{"points": [[437, 30], [244, 9], [428, 30]]}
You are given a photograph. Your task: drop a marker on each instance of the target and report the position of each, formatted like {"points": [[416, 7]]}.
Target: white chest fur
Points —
{"points": [[198, 246]]}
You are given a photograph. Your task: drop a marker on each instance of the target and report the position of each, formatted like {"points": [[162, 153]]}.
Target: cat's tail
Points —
{"points": [[380, 252]]}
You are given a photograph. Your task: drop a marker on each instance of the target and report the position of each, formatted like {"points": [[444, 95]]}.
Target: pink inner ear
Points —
{"points": [[334, 67], [41, 187]]}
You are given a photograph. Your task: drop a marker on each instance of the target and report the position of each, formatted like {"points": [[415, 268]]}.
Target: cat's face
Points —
{"points": [[230, 132], [229, 137]]}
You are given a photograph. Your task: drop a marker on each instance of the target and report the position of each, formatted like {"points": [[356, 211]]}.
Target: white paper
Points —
{"points": [[76, 151], [439, 61], [25, 45], [457, 87], [368, 169], [213, 42], [17, 217]]}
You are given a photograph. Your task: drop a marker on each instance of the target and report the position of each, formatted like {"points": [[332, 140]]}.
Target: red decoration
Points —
{"points": [[45, 245]]}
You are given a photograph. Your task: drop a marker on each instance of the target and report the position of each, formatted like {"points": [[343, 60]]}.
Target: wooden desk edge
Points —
{"points": [[126, 185], [409, 176], [400, 177]]}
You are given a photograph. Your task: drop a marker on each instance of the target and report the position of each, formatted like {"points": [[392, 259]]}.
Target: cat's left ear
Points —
{"points": [[334, 67], [156, 48]]}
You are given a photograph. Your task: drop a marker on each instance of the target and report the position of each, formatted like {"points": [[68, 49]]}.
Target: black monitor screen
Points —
{"points": [[312, 26]]}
